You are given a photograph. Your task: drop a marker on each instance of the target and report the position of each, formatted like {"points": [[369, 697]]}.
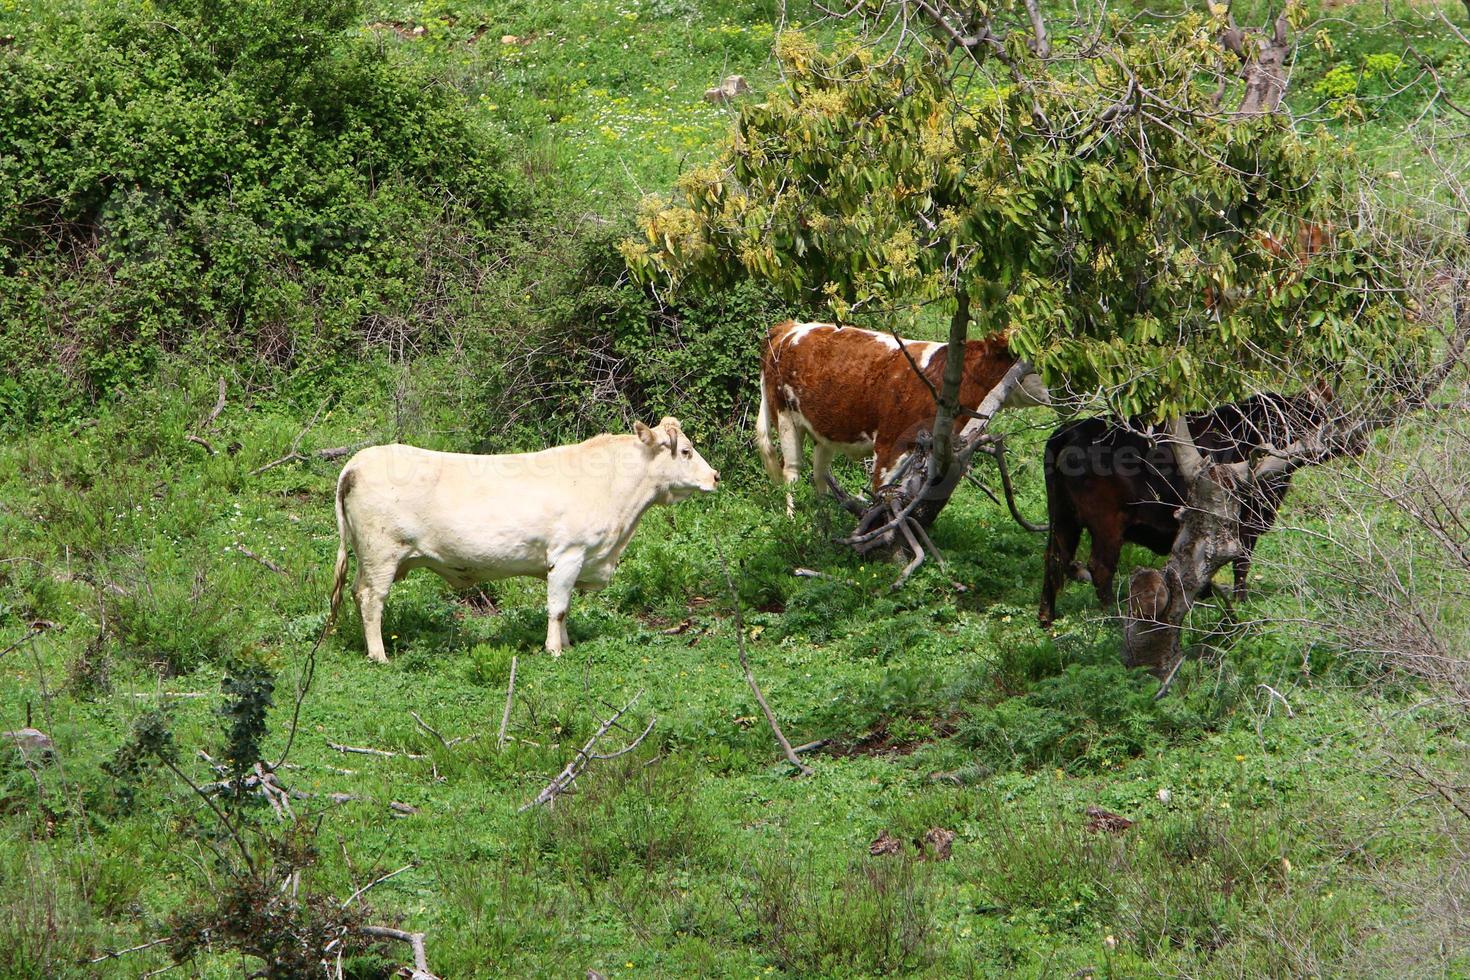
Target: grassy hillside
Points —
{"points": [[145, 579]]}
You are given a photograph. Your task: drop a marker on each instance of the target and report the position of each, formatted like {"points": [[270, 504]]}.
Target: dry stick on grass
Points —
{"points": [[261, 559], [384, 753], [564, 779], [374, 883], [428, 728], [414, 939], [791, 756], [510, 693], [113, 954]]}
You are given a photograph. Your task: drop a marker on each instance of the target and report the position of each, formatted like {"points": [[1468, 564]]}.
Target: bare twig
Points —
{"points": [[564, 779], [200, 441], [261, 559], [510, 693], [374, 883], [429, 728], [791, 756], [384, 753], [113, 954]]}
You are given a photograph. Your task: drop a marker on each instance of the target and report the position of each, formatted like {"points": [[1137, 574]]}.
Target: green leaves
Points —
{"points": [[1167, 259]]}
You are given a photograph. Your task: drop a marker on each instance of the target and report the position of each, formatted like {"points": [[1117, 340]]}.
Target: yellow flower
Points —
{"points": [[1240, 758]]}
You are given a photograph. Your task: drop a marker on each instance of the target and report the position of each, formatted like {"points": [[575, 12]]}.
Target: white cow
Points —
{"points": [[563, 514]]}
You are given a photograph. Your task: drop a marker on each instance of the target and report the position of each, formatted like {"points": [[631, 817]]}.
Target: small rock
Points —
{"points": [[32, 743], [732, 86], [885, 843], [1165, 796]]}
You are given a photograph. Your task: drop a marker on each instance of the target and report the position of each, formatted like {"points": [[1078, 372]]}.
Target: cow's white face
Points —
{"points": [[675, 467]]}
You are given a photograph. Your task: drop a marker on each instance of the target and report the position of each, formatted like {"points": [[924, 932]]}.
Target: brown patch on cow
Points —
{"points": [[345, 484], [853, 385]]}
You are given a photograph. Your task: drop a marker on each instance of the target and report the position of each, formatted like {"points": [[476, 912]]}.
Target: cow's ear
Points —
{"points": [[645, 435]]}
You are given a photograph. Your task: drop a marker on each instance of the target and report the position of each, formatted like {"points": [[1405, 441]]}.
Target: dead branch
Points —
{"points": [[1279, 697], [384, 753], [428, 728], [801, 767], [113, 954], [261, 559], [415, 941], [510, 693], [219, 406], [564, 779], [374, 883]]}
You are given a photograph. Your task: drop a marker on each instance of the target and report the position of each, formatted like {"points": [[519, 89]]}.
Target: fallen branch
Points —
{"points": [[113, 954], [261, 559], [567, 776], [383, 753], [374, 883], [428, 728], [415, 941], [200, 441], [295, 456], [801, 767]]}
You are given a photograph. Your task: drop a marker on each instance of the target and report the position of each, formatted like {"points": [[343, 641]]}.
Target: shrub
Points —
{"points": [[249, 177]]}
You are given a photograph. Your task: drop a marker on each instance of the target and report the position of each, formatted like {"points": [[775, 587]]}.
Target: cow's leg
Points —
{"points": [[374, 579], [560, 581], [1061, 548], [821, 465], [792, 443], [1107, 547]]}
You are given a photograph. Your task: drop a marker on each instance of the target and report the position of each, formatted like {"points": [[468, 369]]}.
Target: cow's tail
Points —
{"points": [[765, 421], [339, 574]]}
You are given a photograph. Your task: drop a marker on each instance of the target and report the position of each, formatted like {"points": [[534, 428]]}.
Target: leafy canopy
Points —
{"points": [[1133, 240]]}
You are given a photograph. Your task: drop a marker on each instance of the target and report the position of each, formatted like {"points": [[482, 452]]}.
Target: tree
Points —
{"points": [[1144, 251]]}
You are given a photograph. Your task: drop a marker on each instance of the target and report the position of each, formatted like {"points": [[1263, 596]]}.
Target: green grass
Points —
{"points": [[1264, 843], [698, 853]]}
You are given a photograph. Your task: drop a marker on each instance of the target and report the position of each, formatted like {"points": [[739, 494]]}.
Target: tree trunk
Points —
{"points": [[1265, 67], [942, 458], [1208, 539]]}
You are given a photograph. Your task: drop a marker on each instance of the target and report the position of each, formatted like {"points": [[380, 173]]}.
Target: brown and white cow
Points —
{"points": [[563, 514], [855, 393]]}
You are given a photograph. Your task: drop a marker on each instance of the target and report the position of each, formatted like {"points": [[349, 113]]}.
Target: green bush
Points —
{"points": [[250, 178], [1089, 716]]}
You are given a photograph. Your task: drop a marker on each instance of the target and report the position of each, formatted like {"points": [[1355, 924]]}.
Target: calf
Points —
{"points": [[563, 514], [1120, 485], [856, 393]]}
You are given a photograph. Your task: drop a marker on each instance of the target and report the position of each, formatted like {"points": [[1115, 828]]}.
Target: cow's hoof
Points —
{"points": [[378, 658]]}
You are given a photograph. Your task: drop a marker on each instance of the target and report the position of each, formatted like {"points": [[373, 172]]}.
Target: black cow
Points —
{"points": [[1119, 485]]}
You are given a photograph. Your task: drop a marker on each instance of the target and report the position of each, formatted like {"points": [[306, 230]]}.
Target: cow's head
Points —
{"points": [[674, 464]]}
